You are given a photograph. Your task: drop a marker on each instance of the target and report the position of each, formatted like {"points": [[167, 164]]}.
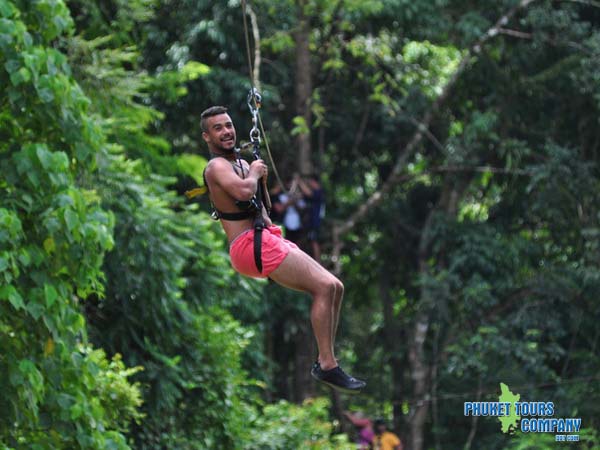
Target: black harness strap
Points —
{"points": [[235, 216], [259, 226], [258, 229]]}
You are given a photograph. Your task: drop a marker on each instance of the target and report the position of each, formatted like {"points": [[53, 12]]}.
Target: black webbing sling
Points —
{"points": [[259, 226]]}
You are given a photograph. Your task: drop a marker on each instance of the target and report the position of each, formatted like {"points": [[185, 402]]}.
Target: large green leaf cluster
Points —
{"points": [[57, 391], [168, 279], [284, 425]]}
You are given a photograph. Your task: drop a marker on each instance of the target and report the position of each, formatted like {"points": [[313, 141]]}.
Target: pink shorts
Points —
{"points": [[274, 250]]}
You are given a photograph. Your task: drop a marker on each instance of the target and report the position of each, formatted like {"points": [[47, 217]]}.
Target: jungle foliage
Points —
{"points": [[122, 324]]}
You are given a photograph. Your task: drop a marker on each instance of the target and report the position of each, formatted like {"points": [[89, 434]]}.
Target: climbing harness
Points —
{"points": [[248, 208]]}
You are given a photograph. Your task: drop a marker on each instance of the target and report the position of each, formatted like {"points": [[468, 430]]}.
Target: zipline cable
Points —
{"points": [[256, 105]]}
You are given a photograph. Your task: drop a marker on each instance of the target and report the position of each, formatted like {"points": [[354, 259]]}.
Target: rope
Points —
{"points": [[251, 76], [247, 38]]}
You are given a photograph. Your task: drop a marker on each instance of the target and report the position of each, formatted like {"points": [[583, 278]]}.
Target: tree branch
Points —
{"points": [[584, 2], [481, 169], [338, 228], [417, 137], [515, 33], [423, 128]]}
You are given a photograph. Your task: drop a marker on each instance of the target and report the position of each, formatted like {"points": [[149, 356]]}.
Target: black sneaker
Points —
{"points": [[337, 379]]}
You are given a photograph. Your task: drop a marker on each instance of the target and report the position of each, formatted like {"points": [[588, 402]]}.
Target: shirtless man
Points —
{"points": [[230, 187]]}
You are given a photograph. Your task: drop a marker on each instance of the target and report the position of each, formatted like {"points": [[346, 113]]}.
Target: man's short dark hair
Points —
{"points": [[212, 111]]}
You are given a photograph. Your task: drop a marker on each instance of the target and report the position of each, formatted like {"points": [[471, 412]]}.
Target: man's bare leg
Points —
{"points": [[300, 272], [337, 306]]}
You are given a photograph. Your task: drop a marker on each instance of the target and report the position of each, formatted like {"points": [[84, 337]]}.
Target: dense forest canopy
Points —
{"points": [[458, 145]]}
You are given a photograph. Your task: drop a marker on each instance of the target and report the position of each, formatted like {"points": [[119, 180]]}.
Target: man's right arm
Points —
{"points": [[220, 172], [306, 190]]}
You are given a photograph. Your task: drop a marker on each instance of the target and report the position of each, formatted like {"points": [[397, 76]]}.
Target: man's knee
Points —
{"points": [[339, 289], [330, 286]]}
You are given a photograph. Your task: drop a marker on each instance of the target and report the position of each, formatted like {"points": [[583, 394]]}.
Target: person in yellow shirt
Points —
{"points": [[385, 440]]}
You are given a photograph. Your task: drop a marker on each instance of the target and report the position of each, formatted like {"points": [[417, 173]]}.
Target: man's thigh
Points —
{"points": [[301, 272]]}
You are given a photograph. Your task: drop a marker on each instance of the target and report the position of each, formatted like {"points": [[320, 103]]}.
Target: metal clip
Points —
{"points": [[254, 100], [255, 135]]}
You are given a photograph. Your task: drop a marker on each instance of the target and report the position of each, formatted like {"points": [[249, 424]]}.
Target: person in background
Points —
{"points": [[277, 207], [385, 440], [364, 427], [290, 205], [313, 194]]}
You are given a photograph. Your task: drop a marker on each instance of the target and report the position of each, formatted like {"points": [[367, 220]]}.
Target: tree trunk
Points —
{"points": [[305, 351], [419, 374], [393, 335], [421, 366], [305, 346], [281, 357], [303, 89]]}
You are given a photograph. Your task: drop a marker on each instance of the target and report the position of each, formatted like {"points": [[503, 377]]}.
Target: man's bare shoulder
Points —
{"points": [[218, 164], [215, 166]]}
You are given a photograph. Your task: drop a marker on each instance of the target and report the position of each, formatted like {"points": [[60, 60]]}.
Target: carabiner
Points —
{"points": [[254, 100]]}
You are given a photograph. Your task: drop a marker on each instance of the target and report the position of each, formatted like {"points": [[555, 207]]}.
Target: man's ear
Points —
{"points": [[205, 136]]}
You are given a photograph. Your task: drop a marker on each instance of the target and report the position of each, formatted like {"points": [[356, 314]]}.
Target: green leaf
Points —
{"points": [[12, 295], [65, 400], [49, 245], [7, 29], [301, 127], [50, 294], [12, 65], [76, 411], [71, 219], [20, 76], [24, 257], [35, 309], [6, 9], [192, 165], [44, 155], [194, 69]]}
